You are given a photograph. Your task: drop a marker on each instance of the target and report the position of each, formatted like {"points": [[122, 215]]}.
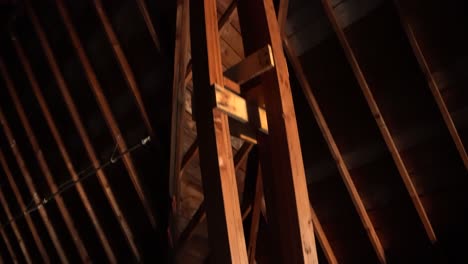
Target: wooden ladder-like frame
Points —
{"points": [[253, 101]]}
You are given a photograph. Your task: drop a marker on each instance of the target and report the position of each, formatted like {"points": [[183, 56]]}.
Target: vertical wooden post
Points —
{"points": [[433, 86], [380, 120], [225, 229], [43, 165], [284, 179], [10, 249], [178, 95]]}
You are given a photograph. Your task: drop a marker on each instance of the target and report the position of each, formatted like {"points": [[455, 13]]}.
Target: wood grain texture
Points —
{"points": [[280, 152], [337, 156], [63, 151], [43, 164], [225, 229], [379, 120], [83, 134], [26, 174]]}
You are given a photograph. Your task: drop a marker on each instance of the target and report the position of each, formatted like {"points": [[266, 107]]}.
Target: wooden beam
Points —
{"points": [[283, 15], [225, 229], [200, 214], [44, 167], [25, 171], [149, 23], [433, 86], [256, 215], [223, 21], [322, 238], [22, 205], [226, 17], [252, 66], [189, 155], [19, 239], [72, 109], [178, 96], [379, 120], [64, 153], [285, 187], [335, 152], [106, 111], [123, 61]]}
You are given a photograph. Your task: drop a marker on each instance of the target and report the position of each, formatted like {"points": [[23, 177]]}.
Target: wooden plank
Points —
{"points": [[15, 228], [222, 23], [189, 155], [322, 238], [335, 152], [178, 100], [225, 229], [232, 104], [231, 85], [237, 108], [123, 61], [281, 158], [22, 205], [252, 66], [149, 23], [226, 17], [200, 214], [283, 15], [106, 111], [256, 214], [433, 85], [63, 151], [20, 241], [44, 166], [25, 172], [380, 121], [72, 109]]}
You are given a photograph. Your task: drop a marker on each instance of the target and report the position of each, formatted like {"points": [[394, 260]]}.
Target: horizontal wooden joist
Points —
{"points": [[238, 108], [252, 66]]}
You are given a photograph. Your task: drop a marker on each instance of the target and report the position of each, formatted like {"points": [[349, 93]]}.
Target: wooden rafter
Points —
{"points": [[72, 108], [123, 62], [22, 205], [44, 166], [433, 86], [25, 171], [332, 146], [286, 196], [64, 153], [18, 236], [379, 120], [200, 214], [106, 111], [178, 95], [149, 23]]}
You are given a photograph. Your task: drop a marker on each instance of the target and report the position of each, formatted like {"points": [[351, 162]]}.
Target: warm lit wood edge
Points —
{"points": [[252, 66]]}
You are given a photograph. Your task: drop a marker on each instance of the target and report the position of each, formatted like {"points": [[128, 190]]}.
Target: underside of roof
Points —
{"points": [[88, 139]]}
